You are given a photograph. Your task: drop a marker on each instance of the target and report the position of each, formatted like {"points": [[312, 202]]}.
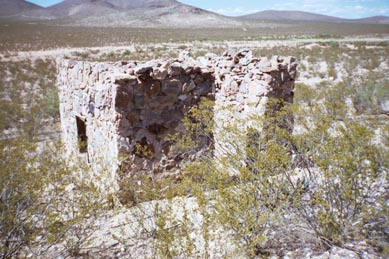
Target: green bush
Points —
{"points": [[368, 97], [43, 202], [51, 103], [254, 187]]}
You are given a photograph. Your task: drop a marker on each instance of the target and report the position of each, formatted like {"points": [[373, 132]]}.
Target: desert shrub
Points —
{"points": [[43, 202], [332, 72], [250, 203], [142, 186], [18, 197], [173, 231], [368, 97], [335, 101], [347, 164], [126, 53], [255, 185], [306, 94], [51, 103], [81, 55], [29, 97], [244, 203]]}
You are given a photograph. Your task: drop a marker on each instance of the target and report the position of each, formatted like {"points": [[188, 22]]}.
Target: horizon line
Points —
{"points": [[258, 11]]}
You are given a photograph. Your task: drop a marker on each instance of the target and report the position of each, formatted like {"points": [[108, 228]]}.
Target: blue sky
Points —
{"points": [[340, 8]]}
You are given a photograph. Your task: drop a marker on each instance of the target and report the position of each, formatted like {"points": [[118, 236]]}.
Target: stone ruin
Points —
{"points": [[111, 110]]}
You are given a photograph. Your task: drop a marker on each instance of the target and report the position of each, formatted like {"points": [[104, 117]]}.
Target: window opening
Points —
{"points": [[82, 137]]}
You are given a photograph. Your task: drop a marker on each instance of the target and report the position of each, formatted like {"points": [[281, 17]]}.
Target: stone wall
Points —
{"points": [[129, 108], [151, 102], [244, 85], [87, 91]]}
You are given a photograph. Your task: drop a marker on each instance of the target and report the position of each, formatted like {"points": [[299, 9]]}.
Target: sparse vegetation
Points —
{"points": [[369, 97], [323, 185], [19, 36], [44, 203], [324, 178]]}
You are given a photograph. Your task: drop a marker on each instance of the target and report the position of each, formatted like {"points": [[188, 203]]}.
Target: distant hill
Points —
{"points": [[290, 15], [139, 13], [155, 13], [272, 15], [86, 8], [129, 4], [373, 20], [81, 8], [9, 8]]}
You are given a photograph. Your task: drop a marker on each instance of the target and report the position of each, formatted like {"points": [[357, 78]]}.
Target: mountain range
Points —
{"points": [[311, 17], [11, 8], [87, 8], [118, 13], [153, 13]]}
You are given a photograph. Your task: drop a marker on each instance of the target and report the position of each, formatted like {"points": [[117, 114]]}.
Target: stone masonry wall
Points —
{"points": [[130, 107], [152, 101], [244, 85], [87, 91]]}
